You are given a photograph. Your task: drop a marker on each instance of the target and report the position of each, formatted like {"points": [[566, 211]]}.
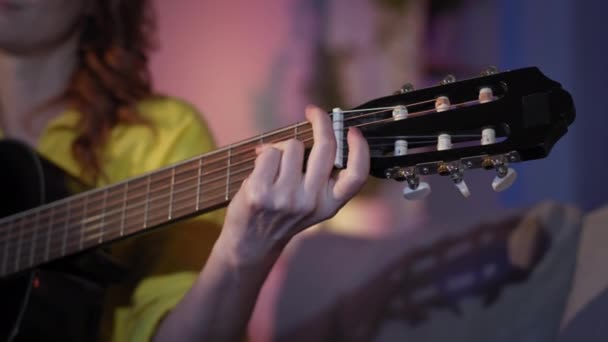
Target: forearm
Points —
{"points": [[275, 202], [219, 304]]}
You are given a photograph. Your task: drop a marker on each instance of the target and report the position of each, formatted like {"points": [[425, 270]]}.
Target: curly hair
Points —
{"points": [[112, 75]]}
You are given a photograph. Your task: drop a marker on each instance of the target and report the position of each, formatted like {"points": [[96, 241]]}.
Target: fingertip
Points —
{"points": [[355, 135], [259, 149], [354, 131], [311, 110]]}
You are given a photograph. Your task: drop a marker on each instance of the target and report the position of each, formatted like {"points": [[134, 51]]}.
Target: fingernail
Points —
{"points": [[260, 148], [354, 130]]}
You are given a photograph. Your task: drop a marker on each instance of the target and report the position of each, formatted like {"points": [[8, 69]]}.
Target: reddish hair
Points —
{"points": [[112, 75]]}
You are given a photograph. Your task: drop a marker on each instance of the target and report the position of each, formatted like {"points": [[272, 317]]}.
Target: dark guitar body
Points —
{"points": [[61, 301]]}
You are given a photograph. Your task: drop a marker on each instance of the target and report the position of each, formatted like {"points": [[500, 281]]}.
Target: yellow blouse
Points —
{"points": [[164, 263]]}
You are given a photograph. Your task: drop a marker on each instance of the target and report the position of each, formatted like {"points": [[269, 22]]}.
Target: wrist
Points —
{"points": [[240, 253]]}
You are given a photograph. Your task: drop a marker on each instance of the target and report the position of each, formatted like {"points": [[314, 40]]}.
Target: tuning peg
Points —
{"points": [[418, 193], [491, 70], [442, 103], [400, 112], [463, 188], [505, 177], [486, 95], [452, 169], [457, 176], [415, 189], [406, 88], [448, 79]]}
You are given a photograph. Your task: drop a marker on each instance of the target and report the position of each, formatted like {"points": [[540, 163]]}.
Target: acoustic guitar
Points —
{"points": [[50, 238]]}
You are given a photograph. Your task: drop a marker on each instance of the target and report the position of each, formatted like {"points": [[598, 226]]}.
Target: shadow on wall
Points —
{"points": [[507, 280]]}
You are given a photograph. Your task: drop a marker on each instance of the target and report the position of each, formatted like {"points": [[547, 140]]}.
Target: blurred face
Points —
{"points": [[33, 26]]}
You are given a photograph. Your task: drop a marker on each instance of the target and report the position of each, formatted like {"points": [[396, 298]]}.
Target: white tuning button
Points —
{"points": [[442, 103], [463, 188], [444, 142], [400, 148], [400, 113], [504, 179], [457, 176], [486, 95], [488, 136], [421, 191]]}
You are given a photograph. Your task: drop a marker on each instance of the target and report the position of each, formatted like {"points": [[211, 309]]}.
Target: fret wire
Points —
{"points": [[103, 212], [83, 220], [160, 218], [198, 183], [171, 192], [228, 172], [295, 131], [128, 227], [124, 205], [50, 231], [18, 253], [6, 246], [147, 202], [34, 238], [65, 227]]}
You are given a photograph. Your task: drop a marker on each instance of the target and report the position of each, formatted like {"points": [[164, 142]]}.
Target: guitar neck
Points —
{"points": [[495, 119], [106, 214]]}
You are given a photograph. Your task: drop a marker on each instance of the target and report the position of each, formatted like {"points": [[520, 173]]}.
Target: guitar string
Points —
{"points": [[138, 209], [138, 224], [94, 233], [165, 177], [274, 134], [37, 257], [209, 154], [137, 195], [147, 204], [254, 139], [223, 159], [424, 112]]}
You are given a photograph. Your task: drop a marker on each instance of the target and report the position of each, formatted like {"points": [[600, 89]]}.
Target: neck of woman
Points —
{"points": [[28, 83]]}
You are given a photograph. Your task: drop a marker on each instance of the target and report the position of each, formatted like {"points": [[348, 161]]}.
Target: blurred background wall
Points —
{"points": [[252, 66]]}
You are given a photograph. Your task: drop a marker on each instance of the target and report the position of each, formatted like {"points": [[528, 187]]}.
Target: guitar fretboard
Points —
{"points": [[99, 216]]}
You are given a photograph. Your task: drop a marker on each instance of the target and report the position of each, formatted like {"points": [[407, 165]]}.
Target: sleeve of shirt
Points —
{"points": [[166, 262]]}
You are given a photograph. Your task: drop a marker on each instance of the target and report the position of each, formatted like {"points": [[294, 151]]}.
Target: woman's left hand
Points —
{"points": [[278, 200]]}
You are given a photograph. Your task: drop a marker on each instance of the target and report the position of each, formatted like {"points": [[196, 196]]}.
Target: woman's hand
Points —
{"points": [[278, 200]]}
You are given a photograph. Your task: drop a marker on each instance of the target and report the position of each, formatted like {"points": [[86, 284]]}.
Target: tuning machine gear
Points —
{"points": [[452, 169], [491, 70], [415, 189], [505, 175], [406, 88]]}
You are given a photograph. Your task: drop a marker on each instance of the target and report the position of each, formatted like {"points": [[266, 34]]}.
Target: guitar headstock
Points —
{"points": [[485, 122]]}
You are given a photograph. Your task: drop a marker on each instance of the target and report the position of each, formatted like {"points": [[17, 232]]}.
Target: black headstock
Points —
{"points": [[525, 111]]}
